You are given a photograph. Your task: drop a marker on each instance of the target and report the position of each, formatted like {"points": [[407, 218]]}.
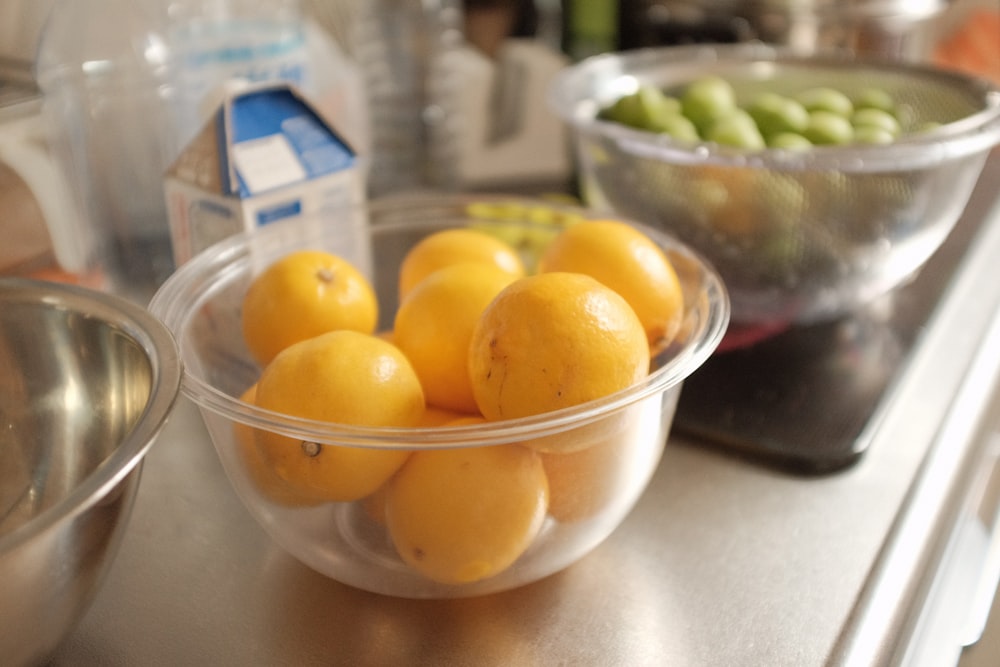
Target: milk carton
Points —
{"points": [[265, 155]]}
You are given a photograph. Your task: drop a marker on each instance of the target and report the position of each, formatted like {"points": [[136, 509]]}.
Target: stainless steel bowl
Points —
{"points": [[797, 236], [86, 383]]}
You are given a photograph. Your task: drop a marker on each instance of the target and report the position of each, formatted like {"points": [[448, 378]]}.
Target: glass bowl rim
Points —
{"points": [[216, 266]]}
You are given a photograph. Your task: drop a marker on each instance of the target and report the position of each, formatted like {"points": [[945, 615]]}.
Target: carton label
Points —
{"points": [[267, 163]]}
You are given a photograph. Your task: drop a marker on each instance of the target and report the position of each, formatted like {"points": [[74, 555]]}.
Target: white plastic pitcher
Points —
{"points": [[24, 150]]}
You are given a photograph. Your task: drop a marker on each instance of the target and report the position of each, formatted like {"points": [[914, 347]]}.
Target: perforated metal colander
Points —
{"points": [[796, 236]]}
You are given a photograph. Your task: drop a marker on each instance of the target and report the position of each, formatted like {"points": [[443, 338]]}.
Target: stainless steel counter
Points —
{"points": [[723, 561]]}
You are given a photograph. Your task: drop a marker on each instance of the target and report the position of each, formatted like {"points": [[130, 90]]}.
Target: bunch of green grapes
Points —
{"points": [[707, 110]]}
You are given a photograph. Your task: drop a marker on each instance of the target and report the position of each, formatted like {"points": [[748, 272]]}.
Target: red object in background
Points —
{"points": [[974, 47], [55, 274], [27, 249], [740, 336]]}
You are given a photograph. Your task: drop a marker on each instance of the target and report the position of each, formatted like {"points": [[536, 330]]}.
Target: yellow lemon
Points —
{"points": [[302, 295], [435, 416], [465, 514], [623, 258], [583, 482], [348, 378], [261, 475], [452, 246], [551, 341], [374, 505], [434, 324]]}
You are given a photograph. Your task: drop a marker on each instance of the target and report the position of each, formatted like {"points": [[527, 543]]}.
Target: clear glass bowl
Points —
{"points": [[797, 237], [201, 302]]}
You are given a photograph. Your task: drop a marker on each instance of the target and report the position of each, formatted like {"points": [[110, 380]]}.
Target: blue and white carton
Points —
{"points": [[266, 155]]}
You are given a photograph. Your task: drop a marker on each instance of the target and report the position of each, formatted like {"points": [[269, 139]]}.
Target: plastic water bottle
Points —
{"points": [[103, 68], [221, 45], [218, 41], [405, 49]]}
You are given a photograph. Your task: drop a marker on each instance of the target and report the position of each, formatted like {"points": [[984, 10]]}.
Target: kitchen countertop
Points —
{"points": [[723, 560]]}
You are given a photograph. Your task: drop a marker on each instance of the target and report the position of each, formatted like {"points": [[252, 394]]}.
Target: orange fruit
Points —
{"points": [[263, 478], [466, 420], [585, 481], [608, 463], [606, 477], [582, 437], [345, 377], [452, 246], [304, 294], [551, 341], [435, 416], [434, 324], [629, 262], [464, 514], [374, 505]]}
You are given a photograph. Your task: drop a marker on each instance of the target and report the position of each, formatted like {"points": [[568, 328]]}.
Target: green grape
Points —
{"points": [[876, 118], [676, 126], [790, 141], [642, 109], [875, 98], [625, 110], [736, 128], [706, 99], [826, 99], [828, 128], [870, 134], [927, 126], [775, 114], [671, 105], [653, 104]]}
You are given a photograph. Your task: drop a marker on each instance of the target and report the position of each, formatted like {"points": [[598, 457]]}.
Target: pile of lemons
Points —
{"points": [[476, 338]]}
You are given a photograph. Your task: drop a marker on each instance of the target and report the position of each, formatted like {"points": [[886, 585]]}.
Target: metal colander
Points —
{"points": [[797, 236]]}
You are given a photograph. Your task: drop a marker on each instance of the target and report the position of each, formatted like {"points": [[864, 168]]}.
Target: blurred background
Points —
{"points": [[446, 94], [432, 94]]}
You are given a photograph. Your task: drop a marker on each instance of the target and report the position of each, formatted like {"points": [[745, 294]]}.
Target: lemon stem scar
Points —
{"points": [[325, 275], [311, 449]]}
